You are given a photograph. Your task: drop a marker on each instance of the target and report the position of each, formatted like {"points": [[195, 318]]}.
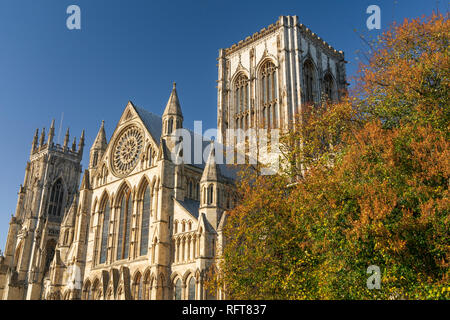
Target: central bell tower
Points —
{"points": [[268, 78]]}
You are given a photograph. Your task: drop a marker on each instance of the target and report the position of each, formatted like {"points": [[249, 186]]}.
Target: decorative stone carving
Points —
{"points": [[126, 151]]}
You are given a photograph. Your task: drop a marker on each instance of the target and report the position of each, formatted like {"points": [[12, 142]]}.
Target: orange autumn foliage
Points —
{"points": [[364, 182]]}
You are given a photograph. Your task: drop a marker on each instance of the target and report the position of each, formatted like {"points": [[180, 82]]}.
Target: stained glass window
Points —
{"points": [[128, 227], [105, 232], [56, 199], [146, 207], [178, 290], [191, 289], [308, 79]]}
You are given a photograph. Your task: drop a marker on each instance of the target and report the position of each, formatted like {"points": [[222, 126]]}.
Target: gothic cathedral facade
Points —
{"points": [[141, 225]]}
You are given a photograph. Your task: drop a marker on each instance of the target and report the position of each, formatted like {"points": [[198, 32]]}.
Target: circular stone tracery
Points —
{"points": [[127, 150]]}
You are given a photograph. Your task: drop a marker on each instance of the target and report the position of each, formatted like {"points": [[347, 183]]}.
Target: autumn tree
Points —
{"points": [[363, 182]]}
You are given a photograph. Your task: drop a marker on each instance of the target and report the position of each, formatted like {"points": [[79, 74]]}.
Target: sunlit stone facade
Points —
{"points": [[141, 225]]}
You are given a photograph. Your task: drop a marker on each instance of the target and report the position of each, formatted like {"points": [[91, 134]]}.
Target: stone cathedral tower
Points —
{"points": [[266, 79], [50, 186]]}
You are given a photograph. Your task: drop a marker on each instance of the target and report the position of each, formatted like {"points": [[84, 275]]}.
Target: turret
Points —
{"points": [[211, 186], [98, 147], [74, 144], [66, 140], [172, 118], [42, 139], [81, 145], [51, 134], [35, 140]]}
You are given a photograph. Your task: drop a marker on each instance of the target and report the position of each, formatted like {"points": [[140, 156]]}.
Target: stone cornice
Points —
{"points": [[319, 42], [250, 39], [305, 31]]}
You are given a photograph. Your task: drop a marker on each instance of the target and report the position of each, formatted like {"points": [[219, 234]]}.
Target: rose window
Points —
{"points": [[127, 150]]}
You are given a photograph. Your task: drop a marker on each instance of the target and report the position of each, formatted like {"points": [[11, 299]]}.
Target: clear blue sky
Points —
{"points": [[133, 50]]}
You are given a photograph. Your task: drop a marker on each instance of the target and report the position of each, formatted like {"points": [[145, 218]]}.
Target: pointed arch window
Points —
{"points": [[146, 207], [126, 209], [204, 195], [170, 126], [87, 291], [56, 199], [146, 286], [269, 94], [105, 231], [138, 287], [210, 194], [95, 159], [241, 95], [241, 91], [177, 295], [328, 89], [96, 293], [191, 289], [308, 81]]}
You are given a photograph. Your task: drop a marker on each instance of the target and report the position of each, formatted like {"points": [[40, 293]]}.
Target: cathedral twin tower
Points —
{"points": [[141, 226]]}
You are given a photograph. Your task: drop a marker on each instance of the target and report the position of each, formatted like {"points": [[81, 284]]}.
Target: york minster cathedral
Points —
{"points": [[141, 225]]}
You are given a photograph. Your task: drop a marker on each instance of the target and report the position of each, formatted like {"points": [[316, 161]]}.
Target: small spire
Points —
{"points": [[81, 144], [100, 141], [211, 171], [41, 140], [173, 105], [51, 133], [66, 139], [74, 144], [35, 140]]}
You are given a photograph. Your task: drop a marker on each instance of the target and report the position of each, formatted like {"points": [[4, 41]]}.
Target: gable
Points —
{"points": [[146, 132]]}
